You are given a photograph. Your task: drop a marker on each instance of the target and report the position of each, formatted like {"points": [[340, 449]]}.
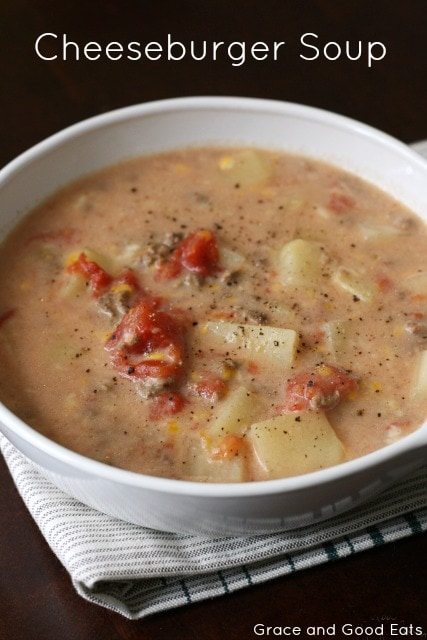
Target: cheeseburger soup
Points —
{"points": [[217, 315]]}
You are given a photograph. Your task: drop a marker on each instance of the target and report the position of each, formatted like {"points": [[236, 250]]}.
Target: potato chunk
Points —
{"points": [[265, 344], [230, 260], [232, 417], [417, 284], [300, 264], [293, 206], [379, 232], [295, 443], [236, 412], [336, 338], [353, 283], [73, 285], [246, 168], [202, 467], [420, 382]]}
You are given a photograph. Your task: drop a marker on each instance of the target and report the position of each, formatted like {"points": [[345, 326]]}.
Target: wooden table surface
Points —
{"points": [[37, 601]]}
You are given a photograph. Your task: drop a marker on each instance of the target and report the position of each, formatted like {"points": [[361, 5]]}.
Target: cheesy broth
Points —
{"points": [[217, 315]]}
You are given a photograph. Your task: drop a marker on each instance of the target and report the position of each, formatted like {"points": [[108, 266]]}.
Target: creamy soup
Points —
{"points": [[217, 315]]}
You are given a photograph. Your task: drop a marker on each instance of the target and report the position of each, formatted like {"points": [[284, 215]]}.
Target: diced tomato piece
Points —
{"points": [[222, 315], [200, 253], [170, 269], [4, 317], [318, 336], [167, 403], [384, 283], [253, 367], [210, 388], [98, 278], [147, 343], [400, 422], [229, 447], [197, 253], [320, 388], [65, 236], [340, 202]]}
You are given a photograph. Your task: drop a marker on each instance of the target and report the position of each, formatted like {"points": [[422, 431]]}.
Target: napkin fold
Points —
{"points": [[136, 571]]}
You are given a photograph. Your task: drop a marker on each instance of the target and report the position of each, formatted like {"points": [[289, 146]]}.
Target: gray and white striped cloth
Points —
{"points": [[137, 572]]}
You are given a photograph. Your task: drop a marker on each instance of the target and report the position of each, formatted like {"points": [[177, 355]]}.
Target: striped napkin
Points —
{"points": [[136, 571]]}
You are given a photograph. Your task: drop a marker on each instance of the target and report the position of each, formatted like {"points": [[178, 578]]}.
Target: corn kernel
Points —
{"points": [[173, 426], [70, 401], [72, 257], [25, 285], [228, 373], [226, 163], [181, 168], [121, 287], [268, 192], [155, 355], [324, 370], [103, 335], [206, 440], [276, 287]]}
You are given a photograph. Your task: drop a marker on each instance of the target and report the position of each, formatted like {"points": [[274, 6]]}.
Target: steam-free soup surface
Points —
{"points": [[217, 315]]}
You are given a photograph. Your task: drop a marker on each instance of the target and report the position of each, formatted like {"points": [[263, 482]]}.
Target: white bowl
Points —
{"points": [[175, 505]]}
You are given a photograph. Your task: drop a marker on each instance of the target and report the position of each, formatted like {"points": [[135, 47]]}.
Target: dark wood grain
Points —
{"points": [[37, 600]]}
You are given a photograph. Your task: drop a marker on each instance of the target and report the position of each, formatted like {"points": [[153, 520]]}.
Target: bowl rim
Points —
{"points": [[415, 440]]}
